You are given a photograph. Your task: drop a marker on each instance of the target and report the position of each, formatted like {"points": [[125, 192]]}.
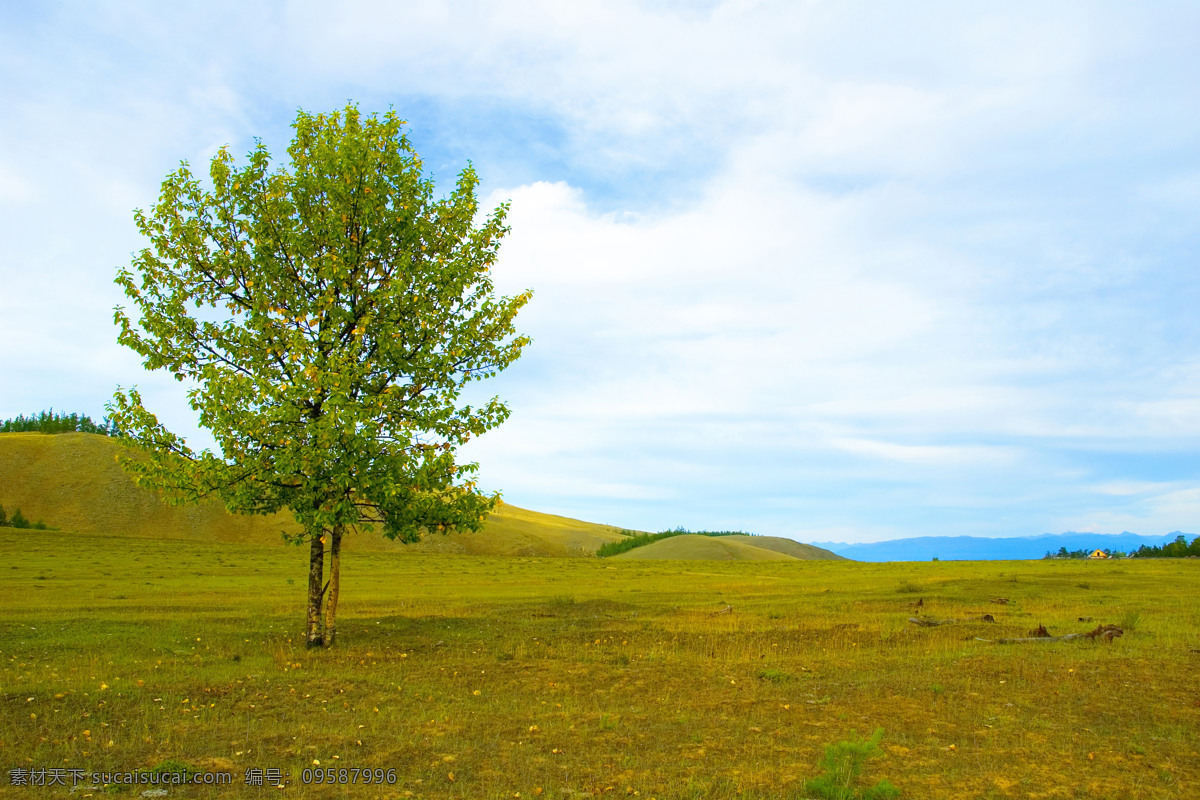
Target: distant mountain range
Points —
{"points": [[976, 548]]}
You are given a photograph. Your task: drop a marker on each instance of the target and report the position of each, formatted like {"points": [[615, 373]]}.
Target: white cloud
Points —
{"points": [[14, 187], [1133, 488], [1147, 511], [820, 266], [928, 454]]}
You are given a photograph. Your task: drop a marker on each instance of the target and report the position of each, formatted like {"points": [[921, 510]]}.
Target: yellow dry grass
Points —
{"points": [[483, 677], [73, 481], [693, 547], [470, 676]]}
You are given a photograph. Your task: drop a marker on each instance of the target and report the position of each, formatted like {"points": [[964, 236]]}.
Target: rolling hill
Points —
{"points": [[72, 481], [693, 547]]}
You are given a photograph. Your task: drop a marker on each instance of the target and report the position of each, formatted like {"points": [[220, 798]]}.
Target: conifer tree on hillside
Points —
{"points": [[50, 422]]}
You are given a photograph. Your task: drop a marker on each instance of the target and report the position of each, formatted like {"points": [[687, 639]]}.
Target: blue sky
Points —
{"points": [[835, 271]]}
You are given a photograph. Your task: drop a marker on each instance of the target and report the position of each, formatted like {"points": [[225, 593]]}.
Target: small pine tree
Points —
{"points": [[841, 767], [18, 520]]}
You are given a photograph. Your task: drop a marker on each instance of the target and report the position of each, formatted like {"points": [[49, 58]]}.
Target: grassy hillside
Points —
{"points": [[473, 677], [691, 547], [513, 531], [72, 481], [790, 547]]}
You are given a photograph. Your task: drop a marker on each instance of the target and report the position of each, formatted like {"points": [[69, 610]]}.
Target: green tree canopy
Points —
{"points": [[329, 313]]}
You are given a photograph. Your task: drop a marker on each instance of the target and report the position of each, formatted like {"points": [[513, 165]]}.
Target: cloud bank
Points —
{"points": [[833, 271]]}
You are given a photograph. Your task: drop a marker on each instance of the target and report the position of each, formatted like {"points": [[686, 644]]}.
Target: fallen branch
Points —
{"points": [[1105, 632], [725, 610]]}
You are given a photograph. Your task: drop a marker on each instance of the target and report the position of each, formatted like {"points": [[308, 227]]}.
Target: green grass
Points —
{"points": [[484, 677]]}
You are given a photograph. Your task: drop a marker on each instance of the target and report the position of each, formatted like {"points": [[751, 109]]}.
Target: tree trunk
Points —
{"points": [[316, 567], [335, 577]]}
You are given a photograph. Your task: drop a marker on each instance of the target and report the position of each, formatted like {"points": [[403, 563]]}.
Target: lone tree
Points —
{"points": [[330, 313]]}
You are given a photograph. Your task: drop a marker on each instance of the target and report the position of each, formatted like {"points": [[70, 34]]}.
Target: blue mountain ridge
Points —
{"points": [[978, 548]]}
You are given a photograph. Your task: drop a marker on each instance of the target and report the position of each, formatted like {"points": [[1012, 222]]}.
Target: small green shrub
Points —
{"points": [[842, 764], [174, 766], [169, 772], [18, 520]]}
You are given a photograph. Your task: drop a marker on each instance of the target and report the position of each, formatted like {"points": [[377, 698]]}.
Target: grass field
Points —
{"points": [[486, 677]]}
